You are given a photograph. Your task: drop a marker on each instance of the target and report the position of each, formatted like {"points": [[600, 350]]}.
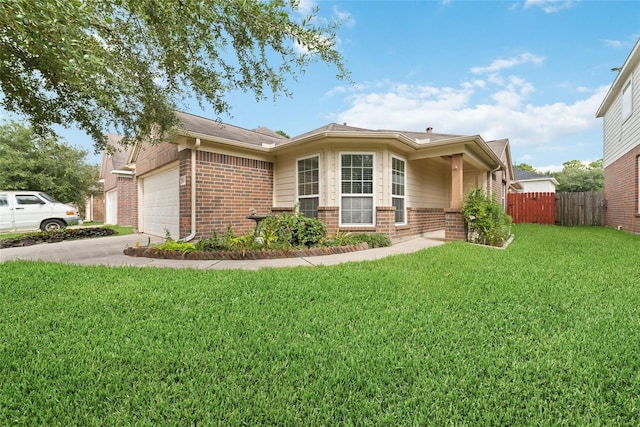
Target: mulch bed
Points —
{"points": [[151, 252]]}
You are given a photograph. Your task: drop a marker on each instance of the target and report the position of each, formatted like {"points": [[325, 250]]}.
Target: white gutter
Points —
{"points": [[193, 193]]}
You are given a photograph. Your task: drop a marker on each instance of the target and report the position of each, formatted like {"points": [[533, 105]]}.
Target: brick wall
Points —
{"points": [[151, 157], [227, 187], [423, 220], [621, 192], [128, 201], [330, 215], [455, 226]]}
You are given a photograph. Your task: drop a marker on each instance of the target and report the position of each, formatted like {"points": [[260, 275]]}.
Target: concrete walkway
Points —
{"points": [[108, 251]]}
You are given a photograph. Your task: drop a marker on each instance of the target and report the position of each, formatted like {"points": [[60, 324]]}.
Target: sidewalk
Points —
{"points": [[108, 251]]}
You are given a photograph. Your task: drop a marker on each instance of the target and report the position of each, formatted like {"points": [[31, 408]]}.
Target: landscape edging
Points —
{"points": [[153, 252]]}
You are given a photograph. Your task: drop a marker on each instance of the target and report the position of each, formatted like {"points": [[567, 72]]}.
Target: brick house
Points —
{"points": [[213, 174], [620, 111]]}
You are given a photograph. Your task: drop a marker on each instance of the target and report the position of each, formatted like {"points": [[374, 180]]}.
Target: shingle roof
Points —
{"points": [[217, 129], [416, 136], [120, 155], [498, 146], [522, 175]]}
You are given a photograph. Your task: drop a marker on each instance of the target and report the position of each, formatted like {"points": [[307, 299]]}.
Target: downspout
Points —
{"points": [[193, 193]]}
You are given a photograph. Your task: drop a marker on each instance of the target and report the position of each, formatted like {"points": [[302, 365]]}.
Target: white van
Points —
{"points": [[32, 210]]}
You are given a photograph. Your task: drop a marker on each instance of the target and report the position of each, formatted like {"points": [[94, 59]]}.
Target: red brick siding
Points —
{"points": [[151, 157], [97, 207], [128, 202], [227, 187], [423, 220], [621, 192], [330, 215], [455, 226]]}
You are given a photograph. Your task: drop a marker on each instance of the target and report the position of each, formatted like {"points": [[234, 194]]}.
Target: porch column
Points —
{"points": [[456, 182]]}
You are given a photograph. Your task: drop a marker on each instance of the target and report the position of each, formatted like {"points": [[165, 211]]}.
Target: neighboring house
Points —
{"points": [[212, 175], [621, 112], [531, 182]]}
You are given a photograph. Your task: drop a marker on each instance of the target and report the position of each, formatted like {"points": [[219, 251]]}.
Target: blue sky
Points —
{"points": [[532, 71]]}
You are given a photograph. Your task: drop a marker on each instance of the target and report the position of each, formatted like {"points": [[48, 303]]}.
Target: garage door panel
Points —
{"points": [[161, 204], [111, 207]]}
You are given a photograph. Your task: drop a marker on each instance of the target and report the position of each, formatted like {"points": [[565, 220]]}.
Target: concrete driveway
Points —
{"points": [[108, 251]]}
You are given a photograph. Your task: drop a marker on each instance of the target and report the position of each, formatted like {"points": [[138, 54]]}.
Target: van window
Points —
{"points": [[4, 201], [48, 198], [28, 200]]}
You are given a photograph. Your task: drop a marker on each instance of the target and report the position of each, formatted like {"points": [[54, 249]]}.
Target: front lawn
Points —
{"points": [[546, 332]]}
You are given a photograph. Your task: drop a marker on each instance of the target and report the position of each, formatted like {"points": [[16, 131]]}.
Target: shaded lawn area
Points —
{"points": [[546, 332]]}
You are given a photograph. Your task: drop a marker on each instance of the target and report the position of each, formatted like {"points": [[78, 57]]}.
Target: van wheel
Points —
{"points": [[52, 225]]}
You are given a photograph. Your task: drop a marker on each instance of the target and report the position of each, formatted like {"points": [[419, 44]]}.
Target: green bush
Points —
{"points": [[292, 230], [374, 240], [487, 221]]}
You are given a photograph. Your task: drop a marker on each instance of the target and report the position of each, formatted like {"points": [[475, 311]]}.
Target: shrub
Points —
{"points": [[292, 230], [374, 240], [487, 221], [171, 245]]}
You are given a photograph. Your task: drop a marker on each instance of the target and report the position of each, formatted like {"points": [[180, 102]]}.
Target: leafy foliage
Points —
{"points": [[577, 177], [127, 64], [374, 240], [44, 163], [293, 230], [35, 238], [487, 221]]}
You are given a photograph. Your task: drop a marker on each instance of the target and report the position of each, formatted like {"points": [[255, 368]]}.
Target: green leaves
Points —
{"points": [[43, 163], [487, 221], [127, 64]]}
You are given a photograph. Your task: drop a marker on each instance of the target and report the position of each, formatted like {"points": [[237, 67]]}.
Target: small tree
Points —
{"points": [[487, 221]]}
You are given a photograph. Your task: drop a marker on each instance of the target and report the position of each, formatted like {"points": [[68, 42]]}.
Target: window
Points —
{"points": [[28, 200], [398, 185], [627, 106], [309, 186], [356, 188], [4, 201]]}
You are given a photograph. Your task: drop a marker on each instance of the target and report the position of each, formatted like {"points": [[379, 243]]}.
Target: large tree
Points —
{"points": [[578, 177], [44, 163], [127, 64]]}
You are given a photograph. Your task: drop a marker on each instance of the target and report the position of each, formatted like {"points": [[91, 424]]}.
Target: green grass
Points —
{"points": [[546, 332]]}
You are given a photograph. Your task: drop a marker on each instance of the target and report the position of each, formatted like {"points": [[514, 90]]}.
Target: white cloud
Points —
{"points": [[501, 64], [450, 110], [549, 6], [305, 7]]}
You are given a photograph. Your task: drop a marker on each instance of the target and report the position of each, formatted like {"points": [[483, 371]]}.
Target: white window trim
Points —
{"points": [[340, 194], [297, 184], [404, 197], [627, 100]]}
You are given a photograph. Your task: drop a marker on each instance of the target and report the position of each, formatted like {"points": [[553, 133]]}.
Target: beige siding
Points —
{"points": [[428, 184], [284, 181], [621, 136]]}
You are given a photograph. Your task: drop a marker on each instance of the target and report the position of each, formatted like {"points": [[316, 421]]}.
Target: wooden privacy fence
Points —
{"points": [[586, 208], [537, 208], [566, 209]]}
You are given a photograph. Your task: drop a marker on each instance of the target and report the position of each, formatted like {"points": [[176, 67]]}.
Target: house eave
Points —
{"points": [[229, 142], [623, 75]]}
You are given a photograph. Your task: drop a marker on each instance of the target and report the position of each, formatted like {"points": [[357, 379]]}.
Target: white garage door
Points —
{"points": [[111, 207], [161, 204]]}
